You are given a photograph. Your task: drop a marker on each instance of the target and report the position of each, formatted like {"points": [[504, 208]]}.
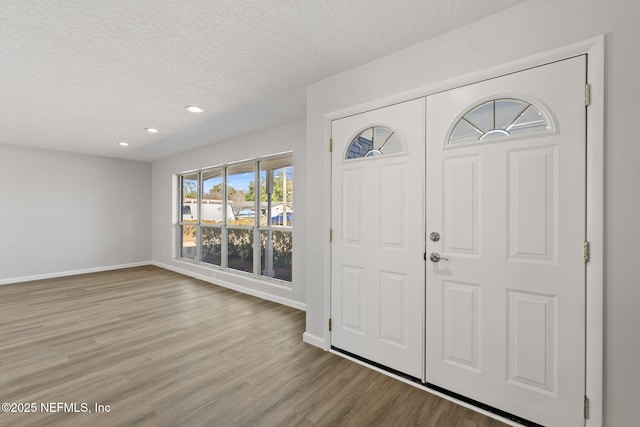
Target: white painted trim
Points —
{"points": [[595, 49], [13, 280], [327, 245], [536, 60], [429, 390], [595, 233], [313, 340], [242, 289]]}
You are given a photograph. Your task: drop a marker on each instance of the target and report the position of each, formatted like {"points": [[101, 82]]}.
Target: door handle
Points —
{"points": [[435, 257]]}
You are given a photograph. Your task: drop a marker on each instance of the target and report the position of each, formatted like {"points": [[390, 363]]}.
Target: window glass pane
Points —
{"points": [[530, 119], [276, 254], [482, 116], [507, 111], [223, 209], [212, 245], [189, 211], [240, 188], [499, 118], [188, 241], [374, 141], [212, 206], [276, 190], [240, 250], [464, 132], [391, 144], [360, 146]]}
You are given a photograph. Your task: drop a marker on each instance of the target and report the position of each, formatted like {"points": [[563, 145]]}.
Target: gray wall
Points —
{"points": [[288, 137], [66, 213], [520, 31]]}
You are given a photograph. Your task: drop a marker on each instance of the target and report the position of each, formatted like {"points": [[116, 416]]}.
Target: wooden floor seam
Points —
{"points": [[162, 349]]}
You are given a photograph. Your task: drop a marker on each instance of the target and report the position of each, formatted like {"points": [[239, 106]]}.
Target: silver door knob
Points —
{"points": [[435, 257]]}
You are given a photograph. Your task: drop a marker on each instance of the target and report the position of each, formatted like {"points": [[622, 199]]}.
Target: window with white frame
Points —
{"points": [[239, 217]]}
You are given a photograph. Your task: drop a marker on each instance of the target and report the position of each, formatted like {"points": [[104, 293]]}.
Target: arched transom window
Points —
{"points": [[374, 141], [499, 118]]}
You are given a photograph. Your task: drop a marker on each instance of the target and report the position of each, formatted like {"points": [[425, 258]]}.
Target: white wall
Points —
{"points": [[65, 213], [524, 30], [288, 137]]}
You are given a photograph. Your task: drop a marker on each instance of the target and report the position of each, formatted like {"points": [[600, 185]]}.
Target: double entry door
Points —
{"points": [[458, 229]]}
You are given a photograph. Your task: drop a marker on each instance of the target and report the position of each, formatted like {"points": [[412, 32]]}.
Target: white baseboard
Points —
{"points": [[239, 288], [313, 340], [71, 273]]}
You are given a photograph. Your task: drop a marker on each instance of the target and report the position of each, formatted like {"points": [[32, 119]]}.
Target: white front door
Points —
{"points": [[377, 266], [506, 195]]}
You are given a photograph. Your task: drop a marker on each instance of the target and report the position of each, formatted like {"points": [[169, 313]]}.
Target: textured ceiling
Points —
{"points": [[80, 75]]}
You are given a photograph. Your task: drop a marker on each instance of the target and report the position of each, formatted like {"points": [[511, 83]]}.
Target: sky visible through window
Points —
{"points": [[240, 181]]}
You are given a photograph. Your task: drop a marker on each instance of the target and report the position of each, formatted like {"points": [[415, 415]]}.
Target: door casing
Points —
{"points": [[594, 48]]}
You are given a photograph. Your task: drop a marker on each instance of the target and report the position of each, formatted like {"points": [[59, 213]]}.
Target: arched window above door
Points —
{"points": [[374, 141], [499, 118]]}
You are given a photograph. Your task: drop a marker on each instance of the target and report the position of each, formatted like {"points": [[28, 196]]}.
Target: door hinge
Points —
{"points": [[587, 94], [330, 235], [586, 251], [585, 406], [330, 325], [330, 145]]}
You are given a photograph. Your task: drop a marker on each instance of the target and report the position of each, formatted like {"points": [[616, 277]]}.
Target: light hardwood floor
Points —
{"points": [[163, 349]]}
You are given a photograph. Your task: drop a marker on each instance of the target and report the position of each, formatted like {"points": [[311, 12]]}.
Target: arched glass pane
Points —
{"points": [[499, 118], [507, 110], [464, 132], [530, 119], [374, 141], [481, 117]]}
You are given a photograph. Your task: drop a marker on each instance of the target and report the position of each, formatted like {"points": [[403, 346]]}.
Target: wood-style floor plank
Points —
{"points": [[162, 349]]}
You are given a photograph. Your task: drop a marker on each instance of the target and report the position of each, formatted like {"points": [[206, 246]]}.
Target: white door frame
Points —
{"points": [[594, 48]]}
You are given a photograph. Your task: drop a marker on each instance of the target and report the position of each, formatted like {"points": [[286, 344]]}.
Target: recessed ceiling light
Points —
{"points": [[151, 130], [123, 143], [193, 109]]}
